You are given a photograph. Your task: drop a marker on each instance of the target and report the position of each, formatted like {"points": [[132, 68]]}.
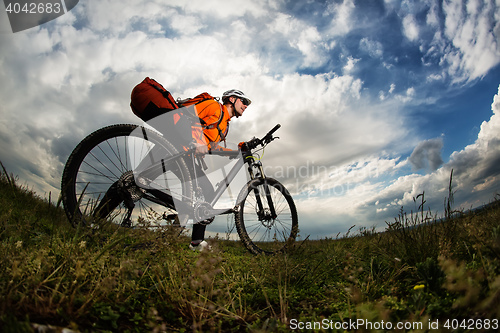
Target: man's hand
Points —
{"points": [[201, 149]]}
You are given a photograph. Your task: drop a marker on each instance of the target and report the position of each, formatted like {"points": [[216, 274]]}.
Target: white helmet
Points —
{"points": [[236, 93]]}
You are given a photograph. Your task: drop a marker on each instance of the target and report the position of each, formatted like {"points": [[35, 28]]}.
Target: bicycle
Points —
{"points": [[106, 177]]}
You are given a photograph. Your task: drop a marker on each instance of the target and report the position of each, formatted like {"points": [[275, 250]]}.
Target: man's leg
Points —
{"points": [[198, 234]]}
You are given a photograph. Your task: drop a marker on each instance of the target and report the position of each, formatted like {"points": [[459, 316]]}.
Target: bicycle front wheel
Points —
{"points": [[98, 180], [266, 220]]}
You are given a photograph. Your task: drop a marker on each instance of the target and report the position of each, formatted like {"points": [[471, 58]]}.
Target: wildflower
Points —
{"points": [[419, 286], [82, 244], [19, 244]]}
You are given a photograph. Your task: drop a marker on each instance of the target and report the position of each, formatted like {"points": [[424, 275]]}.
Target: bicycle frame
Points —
{"points": [[250, 160], [167, 200]]}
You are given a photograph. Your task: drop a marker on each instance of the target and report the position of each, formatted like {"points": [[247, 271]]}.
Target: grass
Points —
{"points": [[131, 280]]}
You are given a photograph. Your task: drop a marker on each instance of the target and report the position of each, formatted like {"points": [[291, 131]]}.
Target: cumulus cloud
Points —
{"points": [[478, 163], [474, 34], [410, 28], [302, 37], [360, 194], [341, 21], [475, 172]]}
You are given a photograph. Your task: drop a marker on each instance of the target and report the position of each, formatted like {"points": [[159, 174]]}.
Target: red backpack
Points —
{"points": [[149, 99], [195, 100]]}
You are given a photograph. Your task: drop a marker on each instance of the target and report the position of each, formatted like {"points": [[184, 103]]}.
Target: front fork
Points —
{"points": [[263, 215]]}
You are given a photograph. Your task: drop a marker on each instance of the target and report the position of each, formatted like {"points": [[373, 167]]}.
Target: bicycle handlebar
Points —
{"points": [[252, 144], [248, 145], [271, 132]]}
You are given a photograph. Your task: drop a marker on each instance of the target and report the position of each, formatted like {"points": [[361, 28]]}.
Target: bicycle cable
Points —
{"points": [[260, 157]]}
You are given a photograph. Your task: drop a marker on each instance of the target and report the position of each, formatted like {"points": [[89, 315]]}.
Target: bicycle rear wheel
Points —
{"points": [[98, 180], [266, 220]]}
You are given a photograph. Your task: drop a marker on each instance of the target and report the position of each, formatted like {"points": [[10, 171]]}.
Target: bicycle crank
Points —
{"points": [[204, 213]]}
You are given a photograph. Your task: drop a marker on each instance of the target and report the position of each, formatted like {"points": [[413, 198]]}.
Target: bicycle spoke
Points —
{"points": [[99, 173], [102, 163], [99, 181], [122, 167]]}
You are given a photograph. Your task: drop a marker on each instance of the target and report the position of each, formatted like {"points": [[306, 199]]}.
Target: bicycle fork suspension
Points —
{"points": [[262, 213]]}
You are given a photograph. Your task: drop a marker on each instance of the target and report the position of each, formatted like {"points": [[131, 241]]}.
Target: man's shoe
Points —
{"points": [[203, 246]]}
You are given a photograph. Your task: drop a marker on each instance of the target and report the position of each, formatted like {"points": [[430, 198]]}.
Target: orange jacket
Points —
{"points": [[215, 120]]}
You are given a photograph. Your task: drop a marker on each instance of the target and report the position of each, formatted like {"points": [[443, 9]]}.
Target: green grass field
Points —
{"points": [[135, 280]]}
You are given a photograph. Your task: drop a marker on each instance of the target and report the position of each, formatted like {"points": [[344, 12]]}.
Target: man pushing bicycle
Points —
{"points": [[143, 175], [215, 117]]}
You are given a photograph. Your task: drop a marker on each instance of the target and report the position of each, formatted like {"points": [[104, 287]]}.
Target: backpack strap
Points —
{"points": [[216, 124], [165, 93]]}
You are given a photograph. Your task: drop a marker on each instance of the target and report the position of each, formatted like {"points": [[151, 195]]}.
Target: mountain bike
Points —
{"points": [[133, 176]]}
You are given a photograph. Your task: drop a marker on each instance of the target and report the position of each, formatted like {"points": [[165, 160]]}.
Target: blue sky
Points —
{"points": [[378, 100]]}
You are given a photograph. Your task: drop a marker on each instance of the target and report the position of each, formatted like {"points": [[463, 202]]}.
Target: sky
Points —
{"points": [[378, 100]]}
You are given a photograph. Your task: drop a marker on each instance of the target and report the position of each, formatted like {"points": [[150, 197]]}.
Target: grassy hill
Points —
{"points": [[119, 280]]}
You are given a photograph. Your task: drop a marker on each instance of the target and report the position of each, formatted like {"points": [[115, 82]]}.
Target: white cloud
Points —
{"points": [[342, 17], [475, 171], [432, 18], [475, 35], [218, 9], [410, 28], [89, 75], [115, 17], [186, 25], [391, 89], [302, 37], [478, 162], [361, 191], [373, 48], [349, 66]]}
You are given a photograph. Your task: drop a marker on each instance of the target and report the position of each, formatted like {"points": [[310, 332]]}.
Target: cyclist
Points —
{"points": [[215, 117]]}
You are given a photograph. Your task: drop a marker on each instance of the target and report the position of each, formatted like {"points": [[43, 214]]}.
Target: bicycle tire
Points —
{"points": [[102, 159], [260, 233]]}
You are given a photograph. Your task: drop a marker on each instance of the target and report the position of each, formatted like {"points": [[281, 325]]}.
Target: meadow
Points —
{"points": [[424, 273]]}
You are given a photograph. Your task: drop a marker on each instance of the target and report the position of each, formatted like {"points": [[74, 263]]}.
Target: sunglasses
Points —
{"points": [[244, 101]]}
